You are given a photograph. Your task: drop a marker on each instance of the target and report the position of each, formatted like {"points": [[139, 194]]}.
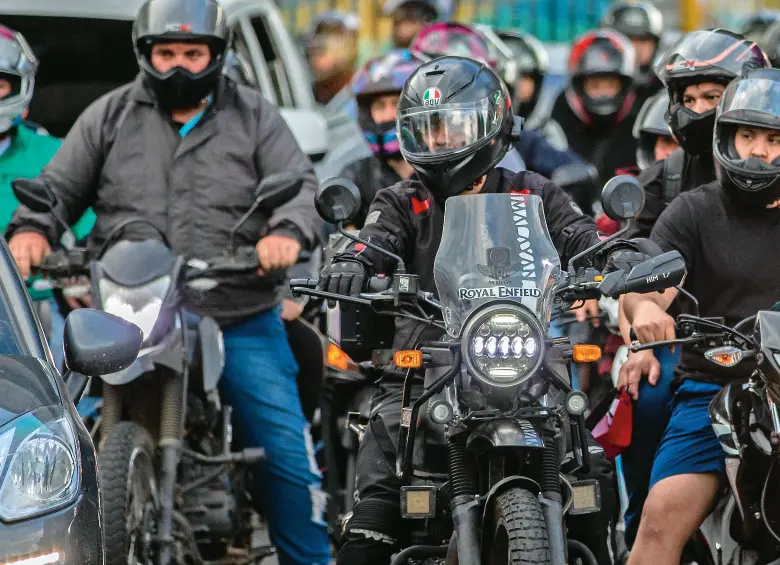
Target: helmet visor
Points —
{"points": [[448, 129], [15, 55], [707, 53], [752, 102], [179, 18]]}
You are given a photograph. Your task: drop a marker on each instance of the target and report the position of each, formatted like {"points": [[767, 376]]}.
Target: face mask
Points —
{"points": [[179, 89], [693, 131], [383, 140]]}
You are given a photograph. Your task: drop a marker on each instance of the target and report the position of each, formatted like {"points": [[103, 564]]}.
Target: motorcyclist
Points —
{"points": [[377, 89], [694, 94], [643, 24], [409, 17], [524, 75], [596, 109], [695, 72], [757, 23], [655, 141], [24, 150], [743, 203], [331, 45], [186, 148], [454, 126], [770, 43], [452, 38]]}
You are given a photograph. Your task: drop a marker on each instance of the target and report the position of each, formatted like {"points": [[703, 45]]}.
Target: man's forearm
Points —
{"points": [[631, 302]]}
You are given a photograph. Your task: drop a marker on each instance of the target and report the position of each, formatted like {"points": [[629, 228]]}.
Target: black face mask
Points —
{"points": [[693, 131], [179, 89]]}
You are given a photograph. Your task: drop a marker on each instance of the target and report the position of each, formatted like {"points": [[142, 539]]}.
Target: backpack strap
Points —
{"points": [[674, 170]]}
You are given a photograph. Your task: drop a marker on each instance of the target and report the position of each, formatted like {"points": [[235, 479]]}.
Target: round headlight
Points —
{"points": [[502, 345]]}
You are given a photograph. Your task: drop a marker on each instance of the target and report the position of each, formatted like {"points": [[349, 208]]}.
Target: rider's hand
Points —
{"points": [[291, 310], [624, 260], [636, 366], [28, 250], [343, 277], [590, 308], [652, 323], [277, 252]]}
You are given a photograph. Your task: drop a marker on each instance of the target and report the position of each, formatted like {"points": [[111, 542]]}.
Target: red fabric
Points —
{"points": [[607, 225], [521, 191], [420, 206], [613, 431], [360, 247]]}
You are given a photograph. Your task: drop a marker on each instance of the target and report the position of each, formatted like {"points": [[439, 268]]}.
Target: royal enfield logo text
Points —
{"points": [[498, 292], [520, 218]]}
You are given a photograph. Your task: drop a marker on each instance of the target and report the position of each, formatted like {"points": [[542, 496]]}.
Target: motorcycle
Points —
{"points": [[173, 488], [496, 387], [743, 529]]}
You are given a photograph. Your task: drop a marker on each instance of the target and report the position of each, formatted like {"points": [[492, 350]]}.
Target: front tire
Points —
{"points": [[126, 466], [516, 533]]}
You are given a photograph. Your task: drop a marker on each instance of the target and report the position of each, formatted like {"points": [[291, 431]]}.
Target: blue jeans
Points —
{"points": [[651, 413], [259, 382], [56, 337]]}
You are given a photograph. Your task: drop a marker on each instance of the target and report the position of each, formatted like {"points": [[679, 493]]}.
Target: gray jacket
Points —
{"points": [[125, 158]]}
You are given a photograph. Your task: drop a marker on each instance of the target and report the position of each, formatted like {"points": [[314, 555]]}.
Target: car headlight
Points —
{"points": [[502, 345], [38, 464], [139, 304]]}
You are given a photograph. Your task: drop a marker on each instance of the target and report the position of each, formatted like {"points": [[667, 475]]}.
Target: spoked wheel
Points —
{"points": [[126, 465], [516, 533]]}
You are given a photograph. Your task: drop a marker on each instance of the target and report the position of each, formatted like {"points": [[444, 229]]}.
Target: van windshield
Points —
{"points": [[80, 60]]}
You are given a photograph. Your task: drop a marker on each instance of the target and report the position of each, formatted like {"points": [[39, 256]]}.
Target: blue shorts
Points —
{"points": [[689, 445]]}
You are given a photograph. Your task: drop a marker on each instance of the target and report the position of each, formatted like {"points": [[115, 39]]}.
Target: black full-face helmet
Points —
{"points": [[716, 56], [649, 126], [752, 101], [185, 21], [530, 59], [454, 123], [637, 20]]}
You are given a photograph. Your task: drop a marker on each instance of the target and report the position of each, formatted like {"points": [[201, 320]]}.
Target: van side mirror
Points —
{"points": [[98, 343]]}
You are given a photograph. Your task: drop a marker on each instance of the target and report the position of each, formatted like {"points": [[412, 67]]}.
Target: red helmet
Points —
{"points": [[602, 53], [452, 39]]}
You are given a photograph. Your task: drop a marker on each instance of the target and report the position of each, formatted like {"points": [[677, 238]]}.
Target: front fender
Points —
{"points": [[505, 484], [504, 433]]}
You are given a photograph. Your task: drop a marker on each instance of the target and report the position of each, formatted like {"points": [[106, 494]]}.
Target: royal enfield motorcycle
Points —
{"points": [[496, 388], [744, 527], [173, 488]]}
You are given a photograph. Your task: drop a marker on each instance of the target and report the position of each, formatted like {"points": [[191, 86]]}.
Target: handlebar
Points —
{"points": [[691, 327]]}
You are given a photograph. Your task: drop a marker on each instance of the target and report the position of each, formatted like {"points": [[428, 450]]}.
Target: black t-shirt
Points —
{"points": [[697, 171], [733, 260]]}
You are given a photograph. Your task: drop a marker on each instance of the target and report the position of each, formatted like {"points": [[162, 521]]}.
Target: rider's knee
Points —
{"points": [[657, 524]]}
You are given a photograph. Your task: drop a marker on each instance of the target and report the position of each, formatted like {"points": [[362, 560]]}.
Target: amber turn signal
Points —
{"points": [[586, 353], [340, 360], [408, 359]]}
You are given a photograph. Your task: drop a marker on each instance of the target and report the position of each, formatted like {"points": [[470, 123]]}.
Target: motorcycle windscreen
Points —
{"points": [[495, 247]]}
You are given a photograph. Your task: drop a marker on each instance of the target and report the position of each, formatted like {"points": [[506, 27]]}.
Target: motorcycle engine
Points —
{"points": [[211, 507]]}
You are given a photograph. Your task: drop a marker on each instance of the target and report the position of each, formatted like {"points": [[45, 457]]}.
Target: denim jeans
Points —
{"points": [[56, 337], [259, 382]]}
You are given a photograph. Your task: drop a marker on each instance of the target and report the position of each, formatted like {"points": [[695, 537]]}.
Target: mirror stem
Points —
{"points": [[596, 247], [241, 222], [401, 267]]}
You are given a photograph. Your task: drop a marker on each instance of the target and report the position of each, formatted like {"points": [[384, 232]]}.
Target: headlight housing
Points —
{"points": [[139, 304], [39, 464], [502, 345]]}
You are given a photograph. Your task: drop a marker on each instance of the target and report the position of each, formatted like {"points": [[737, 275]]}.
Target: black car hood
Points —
{"points": [[25, 384]]}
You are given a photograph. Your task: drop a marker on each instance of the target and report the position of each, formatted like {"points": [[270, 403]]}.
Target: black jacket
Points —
{"points": [[125, 158], [697, 171], [370, 175], [408, 221], [611, 149]]}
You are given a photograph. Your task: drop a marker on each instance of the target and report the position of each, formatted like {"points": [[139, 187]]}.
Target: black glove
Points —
{"points": [[343, 277], [624, 260]]}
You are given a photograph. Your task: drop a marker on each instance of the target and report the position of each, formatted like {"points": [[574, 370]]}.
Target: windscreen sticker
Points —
{"points": [[498, 292]]}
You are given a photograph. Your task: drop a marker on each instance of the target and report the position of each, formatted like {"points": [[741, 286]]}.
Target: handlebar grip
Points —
{"points": [[309, 283]]}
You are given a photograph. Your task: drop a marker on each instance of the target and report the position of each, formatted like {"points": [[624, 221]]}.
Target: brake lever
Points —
{"points": [[667, 342]]}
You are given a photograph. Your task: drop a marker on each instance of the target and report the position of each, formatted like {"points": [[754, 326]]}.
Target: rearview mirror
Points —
{"points": [[622, 198], [575, 174], [34, 194], [278, 189], [98, 343], [337, 200]]}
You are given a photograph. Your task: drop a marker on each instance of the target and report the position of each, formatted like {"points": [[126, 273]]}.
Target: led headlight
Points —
{"points": [[140, 304], [502, 345], [38, 464]]}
